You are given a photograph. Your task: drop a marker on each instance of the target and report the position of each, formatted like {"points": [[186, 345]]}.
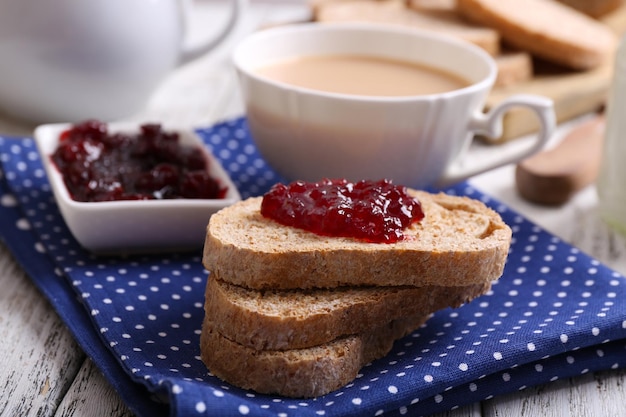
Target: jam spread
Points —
{"points": [[373, 211], [100, 166]]}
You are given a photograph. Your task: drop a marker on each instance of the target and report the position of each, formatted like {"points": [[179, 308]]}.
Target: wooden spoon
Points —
{"points": [[553, 176]]}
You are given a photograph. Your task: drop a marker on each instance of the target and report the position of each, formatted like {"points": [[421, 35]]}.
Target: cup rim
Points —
{"points": [[239, 59]]}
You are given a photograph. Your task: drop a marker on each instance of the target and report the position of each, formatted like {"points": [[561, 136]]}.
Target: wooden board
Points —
{"points": [[573, 93]]}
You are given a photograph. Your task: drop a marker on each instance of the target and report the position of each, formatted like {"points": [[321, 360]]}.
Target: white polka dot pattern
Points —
{"points": [[555, 313]]}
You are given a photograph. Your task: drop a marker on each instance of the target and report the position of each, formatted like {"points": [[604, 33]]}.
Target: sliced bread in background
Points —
{"points": [[549, 30], [594, 8], [395, 13]]}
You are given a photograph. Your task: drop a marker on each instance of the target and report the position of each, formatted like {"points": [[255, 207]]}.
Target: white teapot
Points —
{"points": [[67, 60]]}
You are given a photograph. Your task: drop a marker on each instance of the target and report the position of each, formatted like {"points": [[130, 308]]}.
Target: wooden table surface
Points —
{"points": [[43, 372]]}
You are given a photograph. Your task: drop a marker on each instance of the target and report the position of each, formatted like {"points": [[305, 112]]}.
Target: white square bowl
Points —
{"points": [[135, 226]]}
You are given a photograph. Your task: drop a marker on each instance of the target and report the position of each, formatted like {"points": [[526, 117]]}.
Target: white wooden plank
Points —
{"points": [[550, 400], [471, 410], [610, 391], [599, 395], [92, 395], [39, 358]]}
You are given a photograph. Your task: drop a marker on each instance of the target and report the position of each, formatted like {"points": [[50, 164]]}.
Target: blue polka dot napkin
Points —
{"points": [[555, 313]]}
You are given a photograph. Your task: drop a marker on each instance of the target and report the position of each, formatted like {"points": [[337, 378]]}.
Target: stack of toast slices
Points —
{"points": [[293, 313]]}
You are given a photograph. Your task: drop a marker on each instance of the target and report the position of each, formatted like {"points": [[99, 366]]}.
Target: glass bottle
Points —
{"points": [[611, 182]]}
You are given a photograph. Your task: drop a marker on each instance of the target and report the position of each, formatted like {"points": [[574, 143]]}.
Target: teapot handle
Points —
{"points": [[189, 52]]}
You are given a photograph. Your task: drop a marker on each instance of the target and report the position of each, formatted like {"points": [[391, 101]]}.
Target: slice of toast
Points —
{"points": [[547, 29], [431, 4], [514, 67], [384, 12], [460, 242], [293, 319], [308, 372], [594, 8], [317, 4]]}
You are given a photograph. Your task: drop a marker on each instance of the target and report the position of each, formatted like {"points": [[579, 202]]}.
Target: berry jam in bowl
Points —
{"points": [[129, 188]]}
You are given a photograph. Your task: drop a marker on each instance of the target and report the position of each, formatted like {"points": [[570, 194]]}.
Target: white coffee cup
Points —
{"points": [[415, 141], [68, 60]]}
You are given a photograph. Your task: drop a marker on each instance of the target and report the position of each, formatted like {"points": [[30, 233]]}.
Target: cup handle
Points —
{"points": [[190, 53], [490, 125]]}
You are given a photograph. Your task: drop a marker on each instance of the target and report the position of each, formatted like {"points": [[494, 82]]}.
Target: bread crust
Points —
{"points": [[293, 319], [513, 67], [595, 8], [547, 29], [244, 248], [309, 372]]}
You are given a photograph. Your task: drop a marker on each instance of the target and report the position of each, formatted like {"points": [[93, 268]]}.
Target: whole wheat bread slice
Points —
{"points": [[594, 8], [293, 319], [460, 242], [547, 29], [396, 13], [308, 372]]}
